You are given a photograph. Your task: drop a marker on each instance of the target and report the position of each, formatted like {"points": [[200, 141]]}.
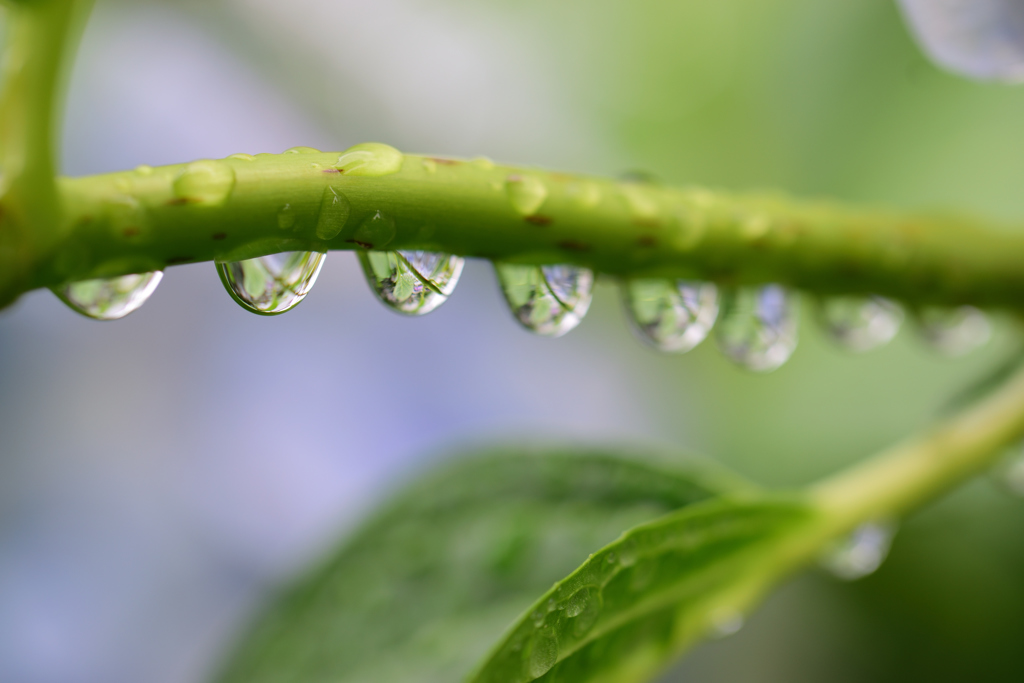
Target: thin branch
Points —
{"points": [[246, 206]]}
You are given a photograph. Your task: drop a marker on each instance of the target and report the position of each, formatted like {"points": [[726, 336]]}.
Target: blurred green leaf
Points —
{"points": [[427, 586]]}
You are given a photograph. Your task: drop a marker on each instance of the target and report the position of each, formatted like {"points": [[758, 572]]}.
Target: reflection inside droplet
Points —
{"points": [[860, 323], [547, 300], [268, 285], [757, 327], [671, 315], [109, 298], [411, 282]]}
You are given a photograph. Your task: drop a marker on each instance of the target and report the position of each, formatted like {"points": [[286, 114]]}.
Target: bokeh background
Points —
{"points": [[160, 474]]}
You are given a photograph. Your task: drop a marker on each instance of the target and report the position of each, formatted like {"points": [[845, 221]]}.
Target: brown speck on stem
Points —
{"points": [[330, 170], [219, 235], [176, 260], [647, 222], [574, 245], [538, 219], [364, 245], [178, 201], [646, 241], [131, 232], [445, 162]]}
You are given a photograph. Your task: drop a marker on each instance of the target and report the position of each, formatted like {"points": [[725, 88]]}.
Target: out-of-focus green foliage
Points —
{"points": [[424, 589]]}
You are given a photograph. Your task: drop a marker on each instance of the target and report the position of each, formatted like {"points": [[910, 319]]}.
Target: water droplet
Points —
{"points": [[483, 163], [375, 232], [370, 159], [757, 327], [286, 217], [205, 182], [301, 150], [672, 315], [526, 193], [860, 553], [860, 323], [272, 284], [1011, 471], [584, 607], [334, 212], [411, 282], [109, 298], [144, 170], [981, 39], [726, 622], [242, 157], [585, 193], [542, 653], [642, 202], [954, 331], [548, 300]]}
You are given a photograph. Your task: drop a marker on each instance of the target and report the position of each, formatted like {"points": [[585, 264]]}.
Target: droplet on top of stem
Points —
{"points": [[671, 315], [547, 300], [269, 285], [757, 327], [411, 282], [109, 298]]}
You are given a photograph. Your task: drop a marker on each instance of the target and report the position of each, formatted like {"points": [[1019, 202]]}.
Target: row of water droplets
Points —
{"points": [[755, 326]]}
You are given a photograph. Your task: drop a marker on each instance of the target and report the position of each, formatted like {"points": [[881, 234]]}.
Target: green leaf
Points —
{"points": [[426, 588]]}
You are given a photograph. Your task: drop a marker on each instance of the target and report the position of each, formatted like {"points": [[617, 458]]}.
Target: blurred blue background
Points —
{"points": [[160, 473]]}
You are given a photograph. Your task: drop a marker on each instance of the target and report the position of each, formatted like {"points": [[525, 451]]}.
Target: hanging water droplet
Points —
{"points": [[205, 182], [860, 323], [144, 170], [954, 331], [981, 39], [672, 315], [109, 298], [860, 553], [411, 282], [757, 327], [241, 156], [548, 300], [542, 653], [301, 150], [371, 159], [334, 212], [1010, 471], [726, 622], [272, 284]]}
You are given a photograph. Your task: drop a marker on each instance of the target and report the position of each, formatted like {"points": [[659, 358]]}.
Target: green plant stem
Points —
{"points": [[924, 467], [131, 221], [41, 36]]}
